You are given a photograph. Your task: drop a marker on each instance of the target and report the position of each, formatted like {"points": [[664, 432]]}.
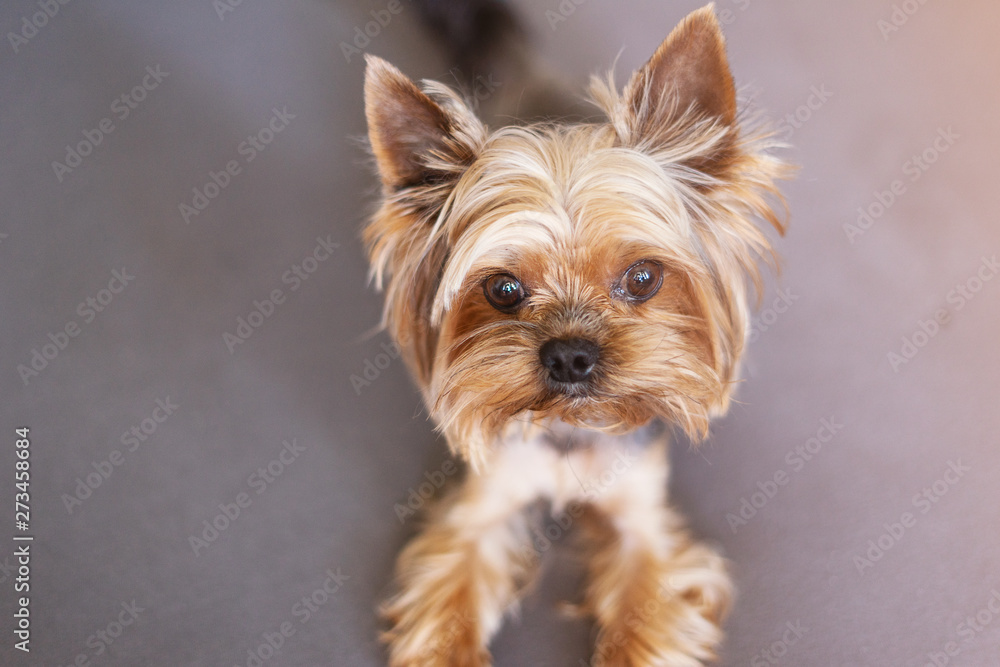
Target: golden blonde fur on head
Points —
{"points": [[568, 208]]}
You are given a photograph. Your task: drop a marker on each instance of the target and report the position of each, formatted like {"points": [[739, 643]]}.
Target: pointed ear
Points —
{"points": [[417, 140], [688, 73]]}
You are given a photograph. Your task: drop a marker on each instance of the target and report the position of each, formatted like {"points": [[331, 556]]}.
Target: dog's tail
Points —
{"points": [[495, 62]]}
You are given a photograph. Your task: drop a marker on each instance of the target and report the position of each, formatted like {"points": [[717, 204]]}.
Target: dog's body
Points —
{"points": [[654, 593], [558, 291]]}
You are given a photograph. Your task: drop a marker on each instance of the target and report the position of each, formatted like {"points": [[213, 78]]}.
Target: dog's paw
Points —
{"points": [[668, 614], [425, 633]]}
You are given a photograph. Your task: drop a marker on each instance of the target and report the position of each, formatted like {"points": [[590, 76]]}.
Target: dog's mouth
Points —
{"points": [[584, 404], [578, 391]]}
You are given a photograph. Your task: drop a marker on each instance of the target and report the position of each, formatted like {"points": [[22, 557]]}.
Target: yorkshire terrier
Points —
{"points": [[564, 294]]}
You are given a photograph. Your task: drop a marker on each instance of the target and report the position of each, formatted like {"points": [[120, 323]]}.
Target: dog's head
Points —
{"points": [[593, 273]]}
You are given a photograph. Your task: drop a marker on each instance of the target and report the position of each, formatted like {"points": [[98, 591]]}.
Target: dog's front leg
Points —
{"points": [[459, 575], [658, 597]]}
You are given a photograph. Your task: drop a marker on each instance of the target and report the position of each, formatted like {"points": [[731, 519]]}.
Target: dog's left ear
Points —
{"points": [[688, 75]]}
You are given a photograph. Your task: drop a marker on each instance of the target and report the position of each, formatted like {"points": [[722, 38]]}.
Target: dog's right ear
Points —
{"points": [[422, 141]]}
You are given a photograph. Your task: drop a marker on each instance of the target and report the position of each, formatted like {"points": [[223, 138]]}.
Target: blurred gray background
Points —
{"points": [[854, 487]]}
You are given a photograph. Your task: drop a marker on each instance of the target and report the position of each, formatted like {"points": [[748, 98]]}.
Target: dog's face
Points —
{"points": [[594, 273]]}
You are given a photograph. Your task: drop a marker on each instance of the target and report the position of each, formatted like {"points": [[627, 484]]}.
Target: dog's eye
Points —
{"points": [[504, 292], [641, 281]]}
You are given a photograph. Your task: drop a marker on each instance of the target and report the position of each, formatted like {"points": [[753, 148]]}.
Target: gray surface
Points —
{"points": [[332, 507]]}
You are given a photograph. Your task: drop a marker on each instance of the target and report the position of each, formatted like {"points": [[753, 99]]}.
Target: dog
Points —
{"points": [[565, 295]]}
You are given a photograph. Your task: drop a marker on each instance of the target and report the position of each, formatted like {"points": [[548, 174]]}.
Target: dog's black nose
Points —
{"points": [[569, 359]]}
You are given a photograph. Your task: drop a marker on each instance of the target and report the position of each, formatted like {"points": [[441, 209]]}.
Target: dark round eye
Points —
{"points": [[504, 292], [642, 280]]}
